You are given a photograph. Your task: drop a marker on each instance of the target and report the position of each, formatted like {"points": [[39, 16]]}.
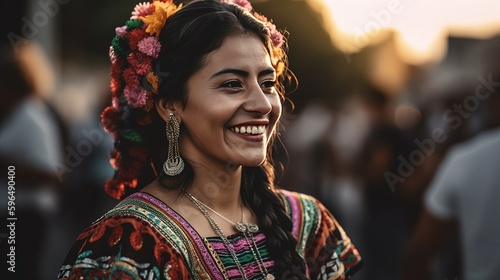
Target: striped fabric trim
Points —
{"points": [[177, 231], [244, 254], [305, 216]]}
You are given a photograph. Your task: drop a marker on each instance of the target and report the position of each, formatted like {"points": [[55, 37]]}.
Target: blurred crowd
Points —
{"points": [[369, 147], [372, 157]]}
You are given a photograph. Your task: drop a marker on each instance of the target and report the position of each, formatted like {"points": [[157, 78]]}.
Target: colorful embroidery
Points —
{"points": [[142, 238], [328, 251]]}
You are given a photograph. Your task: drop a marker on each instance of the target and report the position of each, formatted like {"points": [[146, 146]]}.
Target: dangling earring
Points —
{"points": [[174, 163]]}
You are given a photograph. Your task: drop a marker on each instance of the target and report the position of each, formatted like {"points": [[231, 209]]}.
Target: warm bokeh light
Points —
{"points": [[421, 26]]}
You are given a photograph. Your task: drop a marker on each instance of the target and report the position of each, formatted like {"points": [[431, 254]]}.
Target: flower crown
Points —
{"points": [[134, 82]]}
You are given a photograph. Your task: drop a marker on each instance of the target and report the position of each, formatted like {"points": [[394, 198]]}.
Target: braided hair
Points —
{"points": [[143, 73]]}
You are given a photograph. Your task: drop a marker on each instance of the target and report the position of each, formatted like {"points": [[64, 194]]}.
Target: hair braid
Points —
{"points": [[258, 192]]}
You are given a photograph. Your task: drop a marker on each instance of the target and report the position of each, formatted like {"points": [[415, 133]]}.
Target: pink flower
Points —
{"points": [[149, 46], [121, 31], [277, 38], [136, 97], [142, 9], [243, 3]]}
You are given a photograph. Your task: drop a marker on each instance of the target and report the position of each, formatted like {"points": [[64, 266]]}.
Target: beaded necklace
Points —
{"points": [[248, 229]]}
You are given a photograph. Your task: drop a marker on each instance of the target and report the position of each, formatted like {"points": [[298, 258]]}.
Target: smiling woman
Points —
{"points": [[230, 114], [201, 201]]}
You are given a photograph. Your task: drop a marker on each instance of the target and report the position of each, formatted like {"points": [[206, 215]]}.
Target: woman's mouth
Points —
{"points": [[249, 129]]}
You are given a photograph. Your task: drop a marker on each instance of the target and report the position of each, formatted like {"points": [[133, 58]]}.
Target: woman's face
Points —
{"points": [[232, 106]]}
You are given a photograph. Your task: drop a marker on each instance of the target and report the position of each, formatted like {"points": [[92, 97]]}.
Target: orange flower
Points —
{"points": [[153, 81], [157, 20]]}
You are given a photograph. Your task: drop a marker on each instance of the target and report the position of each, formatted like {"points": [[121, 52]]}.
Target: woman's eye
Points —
{"points": [[232, 84], [268, 84]]}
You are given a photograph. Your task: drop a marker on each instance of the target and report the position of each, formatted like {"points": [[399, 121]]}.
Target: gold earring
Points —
{"points": [[174, 163]]}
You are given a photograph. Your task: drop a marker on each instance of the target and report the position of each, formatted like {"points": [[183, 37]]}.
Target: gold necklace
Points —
{"points": [[248, 229]]}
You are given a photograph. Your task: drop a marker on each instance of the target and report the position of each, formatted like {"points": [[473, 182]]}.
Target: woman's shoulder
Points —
{"points": [[136, 207], [138, 217], [136, 233], [132, 218], [322, 241], [305, 212], [293, 195], [300, 203]]}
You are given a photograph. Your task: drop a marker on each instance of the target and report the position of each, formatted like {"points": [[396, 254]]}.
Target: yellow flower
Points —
{"points": [[156, 21], [153, 81]]}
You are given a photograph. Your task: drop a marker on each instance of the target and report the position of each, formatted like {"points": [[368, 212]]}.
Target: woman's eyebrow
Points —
{"points": [[267, 72], [241, 73], [237, 72]]}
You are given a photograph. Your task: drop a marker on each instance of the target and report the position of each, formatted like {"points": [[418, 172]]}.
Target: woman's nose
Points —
{"points": [[258, 101]]}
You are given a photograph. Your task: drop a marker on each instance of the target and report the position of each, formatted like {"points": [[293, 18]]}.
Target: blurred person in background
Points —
{"points": [[387, 215], [32, 137], [462, 198]]}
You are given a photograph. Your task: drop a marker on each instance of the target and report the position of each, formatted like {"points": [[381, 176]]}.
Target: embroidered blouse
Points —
{"points": [[143, 238]]}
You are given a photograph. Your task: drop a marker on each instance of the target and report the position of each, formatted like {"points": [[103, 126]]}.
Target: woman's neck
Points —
{"points": [[218, 188]]}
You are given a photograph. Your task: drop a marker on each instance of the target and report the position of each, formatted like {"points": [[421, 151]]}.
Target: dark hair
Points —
{"points": [[187, 37]]}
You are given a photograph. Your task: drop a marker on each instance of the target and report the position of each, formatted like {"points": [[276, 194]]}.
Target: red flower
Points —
{"points": [[135, 37], [115, 86], [110, 119], [141, 63], [114, 188], [117, 69], [131, 78]]}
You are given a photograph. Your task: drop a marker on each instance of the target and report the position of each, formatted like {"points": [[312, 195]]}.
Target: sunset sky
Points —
{"points": [[422, 25]]}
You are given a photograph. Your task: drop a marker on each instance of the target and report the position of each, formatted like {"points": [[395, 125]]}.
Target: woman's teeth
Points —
{"points": [[249, 129]]}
